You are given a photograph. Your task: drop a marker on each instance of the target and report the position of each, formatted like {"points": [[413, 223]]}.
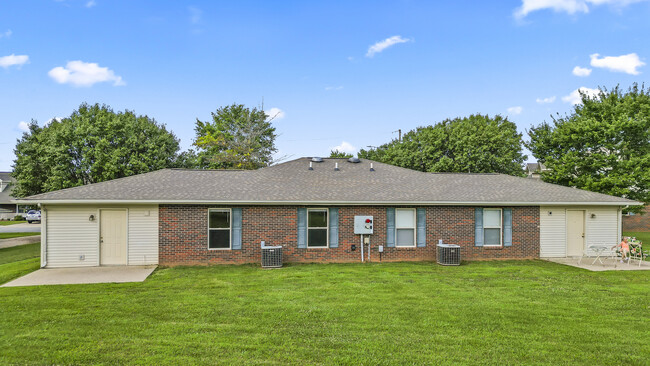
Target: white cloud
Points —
{"points": [[515, 110], [58, 119], [79, 73], [91, 3], [334, 87], [624, 63], [195, 15], [23, 126], [275, 113], [545, 100], [13, 60], [566, 6], [6, 34], [574, 97], [581, 71], [345, 147], [382, 45]]}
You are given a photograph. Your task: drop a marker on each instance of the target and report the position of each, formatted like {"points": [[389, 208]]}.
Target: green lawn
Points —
{"points": [[17, 261], [6, 223], [512, 312], [16, 235], [644, 236]]}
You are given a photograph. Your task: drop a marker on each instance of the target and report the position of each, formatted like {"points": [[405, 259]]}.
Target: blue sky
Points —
{"points": [[341, 73]]}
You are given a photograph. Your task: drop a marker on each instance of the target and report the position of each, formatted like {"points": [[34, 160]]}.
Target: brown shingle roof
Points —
{"points": [[293, 182]]}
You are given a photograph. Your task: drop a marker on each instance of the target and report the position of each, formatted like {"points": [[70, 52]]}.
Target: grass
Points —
{"points": [[16, 235], [18, 261], [644, 236], [506, 312], [6, 223]]}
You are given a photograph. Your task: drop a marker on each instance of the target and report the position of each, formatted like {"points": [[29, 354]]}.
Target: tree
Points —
{"points": [[339, 154], [94, 144], [237, 138], [602, 146], [477, 144]]}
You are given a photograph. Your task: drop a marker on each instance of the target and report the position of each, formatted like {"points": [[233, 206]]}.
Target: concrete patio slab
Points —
{"points": [[608, 264], [83, 275]]}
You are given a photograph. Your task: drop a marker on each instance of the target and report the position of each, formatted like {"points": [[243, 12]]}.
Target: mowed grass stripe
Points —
{"points": [[391, 313]]}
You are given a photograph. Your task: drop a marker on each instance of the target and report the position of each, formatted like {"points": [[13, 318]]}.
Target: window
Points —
{"points": [[317, 228], [492, 224], [405, 227], [219, 225]]}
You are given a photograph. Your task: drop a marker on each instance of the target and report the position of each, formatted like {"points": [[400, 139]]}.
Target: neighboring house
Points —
{"points": [[186, 217], [534, 170], [637, 222], [8, 206]]}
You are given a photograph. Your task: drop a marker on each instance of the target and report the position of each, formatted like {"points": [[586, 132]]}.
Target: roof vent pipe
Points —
{"points": [[311, 167], [371, 168], [336, 166]]}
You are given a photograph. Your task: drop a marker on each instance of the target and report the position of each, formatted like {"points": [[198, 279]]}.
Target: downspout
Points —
{"points": [[43, 237], [619, 221]]}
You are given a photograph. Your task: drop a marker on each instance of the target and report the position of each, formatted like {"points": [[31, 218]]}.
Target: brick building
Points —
{"points": [[308, 206]]}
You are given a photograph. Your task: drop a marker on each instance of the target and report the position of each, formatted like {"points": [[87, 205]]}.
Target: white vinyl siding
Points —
{"points": [[69, 235], [602, 229], [143, 235], [552, 232]]}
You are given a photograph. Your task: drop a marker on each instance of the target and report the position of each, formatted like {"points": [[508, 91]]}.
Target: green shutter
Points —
{"points": [[507, 227], [422, 227], [302, 227], [236, 228], [334, 227], [478, 227], [390, 227]]}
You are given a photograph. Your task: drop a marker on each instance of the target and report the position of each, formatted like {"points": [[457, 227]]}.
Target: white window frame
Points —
{"points": [[327, 227], [415, 229], [493, 227], [229, 229]]}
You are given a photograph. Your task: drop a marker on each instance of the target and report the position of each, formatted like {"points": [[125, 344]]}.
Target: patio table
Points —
{"points": [[599, 249]]}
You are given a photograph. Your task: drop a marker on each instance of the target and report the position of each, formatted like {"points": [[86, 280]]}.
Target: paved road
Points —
{"points": [[21, 228]]}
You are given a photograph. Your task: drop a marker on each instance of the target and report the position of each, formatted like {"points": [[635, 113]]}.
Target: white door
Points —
{"points": [[575, 232], [112, 237]]}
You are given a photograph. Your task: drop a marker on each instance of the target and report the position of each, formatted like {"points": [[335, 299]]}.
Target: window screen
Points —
{"points": [[492, 226], [405, 227], [219, 229], [317, 228]]}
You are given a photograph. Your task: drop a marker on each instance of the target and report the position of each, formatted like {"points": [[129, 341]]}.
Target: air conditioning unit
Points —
{"points": [[448, 254], [271, 257]]}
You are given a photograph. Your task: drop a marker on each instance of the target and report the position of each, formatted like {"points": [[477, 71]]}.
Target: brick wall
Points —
{"points": [[183, 236], [638, 222]]}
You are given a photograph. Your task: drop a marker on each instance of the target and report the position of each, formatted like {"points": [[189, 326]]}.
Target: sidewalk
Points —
{"points": [[14, 242]]}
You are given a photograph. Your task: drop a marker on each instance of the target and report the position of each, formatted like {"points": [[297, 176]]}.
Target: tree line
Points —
{"points": [[602, 145]]}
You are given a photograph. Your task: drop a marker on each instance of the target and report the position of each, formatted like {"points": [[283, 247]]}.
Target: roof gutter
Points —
{"points": [[330, 203]]}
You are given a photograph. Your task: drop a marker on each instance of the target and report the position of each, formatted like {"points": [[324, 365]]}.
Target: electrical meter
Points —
{"points": [[363, 225]]}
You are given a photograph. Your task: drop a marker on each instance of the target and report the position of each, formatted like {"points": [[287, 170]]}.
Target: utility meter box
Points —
{"points": [[363, 225]]}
